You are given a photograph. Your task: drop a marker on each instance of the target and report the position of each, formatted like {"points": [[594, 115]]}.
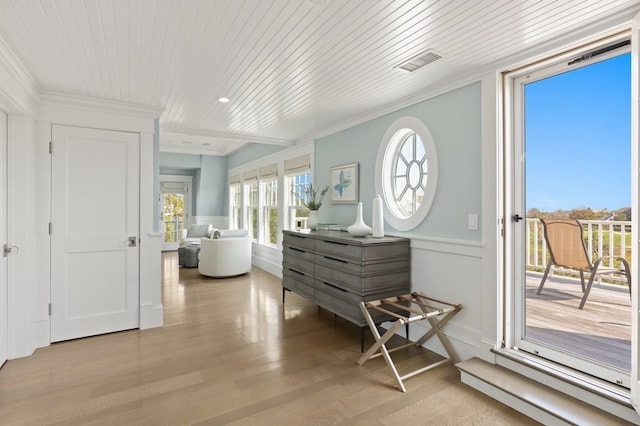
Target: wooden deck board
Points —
{"points": [[601, 331]]}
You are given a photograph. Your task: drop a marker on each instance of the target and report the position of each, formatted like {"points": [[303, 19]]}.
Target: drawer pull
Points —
{"points": [[297, 272], [335, 286], [297, 249], [335, 260], [336, 243]]}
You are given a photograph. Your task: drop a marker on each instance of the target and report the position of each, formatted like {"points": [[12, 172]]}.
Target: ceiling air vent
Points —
{"points": [[419, 61]]}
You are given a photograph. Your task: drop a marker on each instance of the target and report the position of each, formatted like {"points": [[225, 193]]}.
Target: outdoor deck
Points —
{"points": [[601, 331]]}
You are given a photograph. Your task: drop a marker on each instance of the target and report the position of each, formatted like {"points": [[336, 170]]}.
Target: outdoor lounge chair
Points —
{"points": [[567, 249]]}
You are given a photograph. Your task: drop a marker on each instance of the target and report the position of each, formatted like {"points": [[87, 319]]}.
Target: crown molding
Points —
{"points": [[217, 137], [301, 148], [180, 147], [202, 142], [19, 90], [53, 99]]}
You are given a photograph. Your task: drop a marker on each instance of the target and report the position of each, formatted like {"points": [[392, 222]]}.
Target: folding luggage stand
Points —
{"points": [[437, 312]]}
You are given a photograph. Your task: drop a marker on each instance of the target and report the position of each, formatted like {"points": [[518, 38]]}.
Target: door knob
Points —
{"points": [[132, 241]]}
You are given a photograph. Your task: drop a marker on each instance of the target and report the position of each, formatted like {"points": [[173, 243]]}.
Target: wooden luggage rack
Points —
{"points": [[406, 309]]}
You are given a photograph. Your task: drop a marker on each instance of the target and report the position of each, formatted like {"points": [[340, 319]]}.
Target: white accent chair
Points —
{"points": [[225, 256], [195, 233]]}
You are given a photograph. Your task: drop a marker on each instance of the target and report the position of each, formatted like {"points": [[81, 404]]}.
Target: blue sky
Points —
{"points": [[578, 130]]}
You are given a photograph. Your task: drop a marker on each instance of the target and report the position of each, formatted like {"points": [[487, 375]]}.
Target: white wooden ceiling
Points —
{"points": [[292, 68]]}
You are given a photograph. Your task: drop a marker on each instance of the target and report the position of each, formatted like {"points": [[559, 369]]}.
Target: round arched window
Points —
{"points": [[407, 172]]}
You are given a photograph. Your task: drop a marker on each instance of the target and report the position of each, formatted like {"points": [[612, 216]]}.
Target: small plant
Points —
{"points": [[311, 199]]}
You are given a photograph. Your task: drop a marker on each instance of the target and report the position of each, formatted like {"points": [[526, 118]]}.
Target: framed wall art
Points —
{"points": [[344, 184]]}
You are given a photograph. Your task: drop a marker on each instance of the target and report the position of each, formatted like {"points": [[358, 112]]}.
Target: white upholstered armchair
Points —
{"points": [[225, 256], [195, 233]]}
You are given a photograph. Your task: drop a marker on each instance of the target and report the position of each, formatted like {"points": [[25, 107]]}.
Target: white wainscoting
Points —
{"points": [[267, 258], [451, 270]]}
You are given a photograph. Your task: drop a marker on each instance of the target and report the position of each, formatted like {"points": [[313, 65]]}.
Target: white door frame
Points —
{"points": [[4, 285], [513, 202], [635, 214]]}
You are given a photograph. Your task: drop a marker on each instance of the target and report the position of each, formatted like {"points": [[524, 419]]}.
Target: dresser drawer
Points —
{"points": [[370, 251], [360, 284], [362, 268], [298, 240], [347, 304], [299, 259], [298, 282], [330, 298]]}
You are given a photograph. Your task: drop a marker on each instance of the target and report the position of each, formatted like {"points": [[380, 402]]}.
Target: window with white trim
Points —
{"points": [[269, 203], [262, 196], [251, 206], [298, 213], [235, 195], [407, 172], [297, 176]]}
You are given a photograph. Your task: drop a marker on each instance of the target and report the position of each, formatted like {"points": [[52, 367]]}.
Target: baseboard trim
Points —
{"points": [[151, 316]]}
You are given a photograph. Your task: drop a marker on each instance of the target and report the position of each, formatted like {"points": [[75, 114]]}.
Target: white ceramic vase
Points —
{"points": [[359, 228], [377, 220], [313, 219]]}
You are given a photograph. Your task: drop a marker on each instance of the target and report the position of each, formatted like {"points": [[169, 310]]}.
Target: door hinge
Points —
{"points": [[50, 228], [50, 147], [49, 309]]}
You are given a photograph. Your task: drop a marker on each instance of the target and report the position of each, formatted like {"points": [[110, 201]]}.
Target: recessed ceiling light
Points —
{"points": [[223, 99]]}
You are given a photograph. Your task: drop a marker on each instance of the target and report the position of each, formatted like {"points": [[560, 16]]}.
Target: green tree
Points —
{"points": [[173, 209]]}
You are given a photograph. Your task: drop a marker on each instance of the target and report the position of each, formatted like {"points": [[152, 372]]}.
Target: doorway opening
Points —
{"points": [[570, 159]]}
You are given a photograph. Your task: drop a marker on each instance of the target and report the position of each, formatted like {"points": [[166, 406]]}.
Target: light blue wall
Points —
{"points": [[180, 161], [454, 120], [209, 173], [212, 190], [251, 152]]}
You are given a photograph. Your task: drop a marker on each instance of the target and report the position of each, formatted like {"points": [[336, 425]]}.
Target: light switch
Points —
{"points": [[472, 222]]}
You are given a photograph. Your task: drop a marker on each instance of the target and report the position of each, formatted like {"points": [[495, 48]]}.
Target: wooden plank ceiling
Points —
{"points": [[293, 69]]}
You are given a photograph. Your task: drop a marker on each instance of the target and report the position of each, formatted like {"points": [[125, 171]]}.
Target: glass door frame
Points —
{"points": [[513, 228], [186, 183]]}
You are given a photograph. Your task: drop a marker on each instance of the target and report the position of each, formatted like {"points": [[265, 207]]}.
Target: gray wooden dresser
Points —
{"points": [[337, 271]]}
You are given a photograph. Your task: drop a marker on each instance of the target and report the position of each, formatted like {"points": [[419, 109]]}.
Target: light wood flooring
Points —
{"points": [[230, 353]]}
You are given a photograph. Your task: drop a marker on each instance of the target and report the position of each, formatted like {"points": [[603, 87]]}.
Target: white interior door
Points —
{"points": [[95, 228], [4, 317]]}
